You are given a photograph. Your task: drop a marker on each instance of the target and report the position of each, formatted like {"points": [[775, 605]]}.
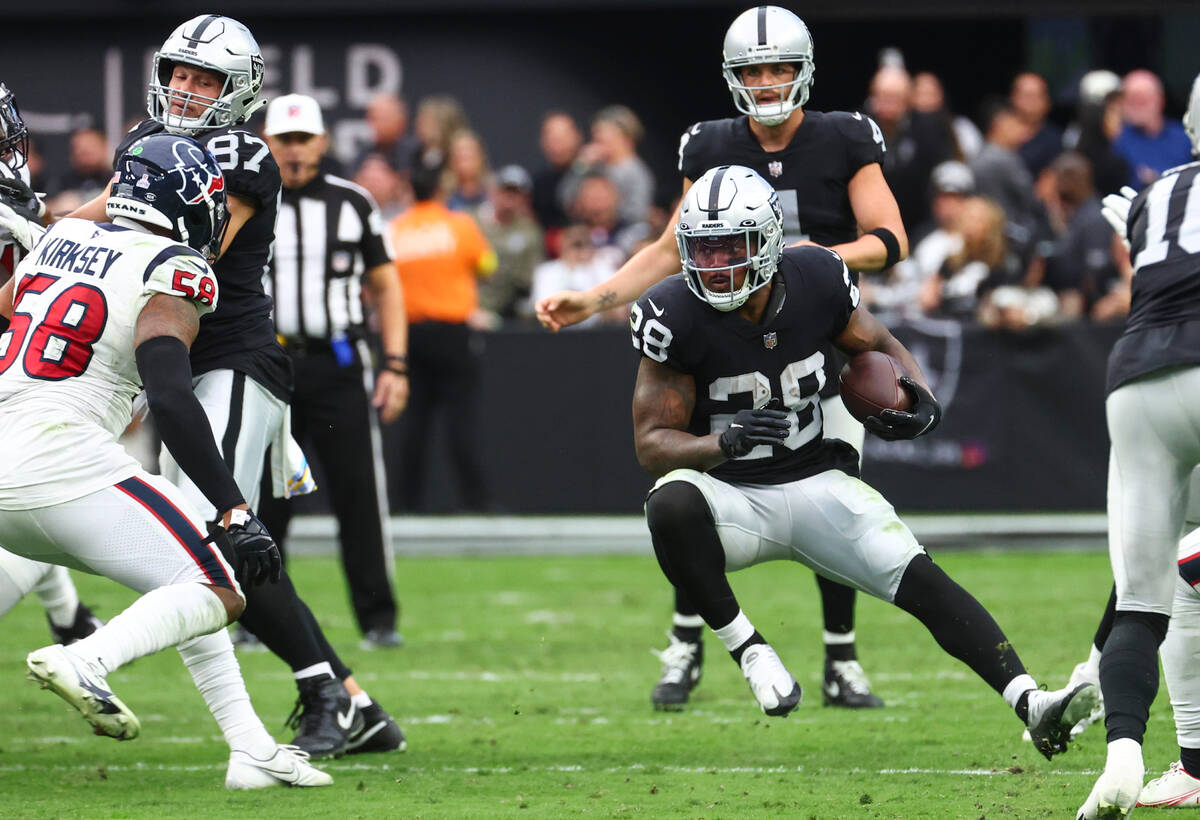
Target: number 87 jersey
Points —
{"points": [[737, 364], [68, 375]]}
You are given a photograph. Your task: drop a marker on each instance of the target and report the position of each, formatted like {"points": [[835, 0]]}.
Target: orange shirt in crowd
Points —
{"points": [[438, 254]]}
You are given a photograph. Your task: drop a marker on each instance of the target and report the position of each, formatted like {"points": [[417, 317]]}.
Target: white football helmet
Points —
{"points": [[218, 44], [768, 34], [1191, 118], [730, 209]]}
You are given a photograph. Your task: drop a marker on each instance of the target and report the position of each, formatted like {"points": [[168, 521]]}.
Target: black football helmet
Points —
{"points": [[14, 136], [173, 182]]}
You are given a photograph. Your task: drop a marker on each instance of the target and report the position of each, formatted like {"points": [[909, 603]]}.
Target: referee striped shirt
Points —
{"points": [[328, 234]]}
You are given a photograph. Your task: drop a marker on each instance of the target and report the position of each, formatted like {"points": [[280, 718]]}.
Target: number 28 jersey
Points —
{"points": [[739, 365], [68, 374]]}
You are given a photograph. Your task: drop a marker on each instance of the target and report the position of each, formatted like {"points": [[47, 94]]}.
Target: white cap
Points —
{"points": [[294, 113]]}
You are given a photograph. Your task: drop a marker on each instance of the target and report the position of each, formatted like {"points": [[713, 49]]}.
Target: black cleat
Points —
{"points": [[324, 717], [683, 664], [381, 638], [846, 685], [378, 733], [85, 624], [1052, 715]]}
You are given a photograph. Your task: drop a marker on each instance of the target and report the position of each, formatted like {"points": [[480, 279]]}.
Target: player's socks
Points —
{"points": [[837, 609], [687, 627], [321, 669], [1129, 672], [840, 646], [163, 617], [362, 700], [1104, 628], [739, 635], [275, 613], [1016, 695], [340, 670], [214, 668], [57, 593]]}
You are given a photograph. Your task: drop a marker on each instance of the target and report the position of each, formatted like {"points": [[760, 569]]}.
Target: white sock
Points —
{"points": [[687, 621], [316, 670], [214, 668], [838, 638], [163, 617], [362, 700], [736, 632], [1017, 687], [57, 593], [1123, 754], [1093, 664]]}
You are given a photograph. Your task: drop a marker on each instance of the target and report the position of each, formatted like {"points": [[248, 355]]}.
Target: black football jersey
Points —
{"points": [[738, 364], [240, 334], [811, 174], [1163, 328]]}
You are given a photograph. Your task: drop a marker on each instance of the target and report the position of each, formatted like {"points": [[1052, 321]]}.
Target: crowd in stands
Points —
{"points": [[1002, 211]]}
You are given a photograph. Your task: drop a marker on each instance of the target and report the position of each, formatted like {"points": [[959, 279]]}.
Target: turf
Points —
{"points": [[524, 688]]}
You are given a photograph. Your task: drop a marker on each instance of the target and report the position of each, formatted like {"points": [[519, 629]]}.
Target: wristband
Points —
{"points": [[890, 243], [396, 363]]}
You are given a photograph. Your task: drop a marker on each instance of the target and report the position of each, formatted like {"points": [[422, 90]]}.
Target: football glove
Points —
{"points": [[255, 555], [918, 420], [1115, 209], [25, 232], [751, 428], [21, 198]]}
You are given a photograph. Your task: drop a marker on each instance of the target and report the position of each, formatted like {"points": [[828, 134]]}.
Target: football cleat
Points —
{"points": [[83, 686], [683, 664], [85, 624], [246, 641], [1114, 795], [846, 685], [1052, 715], [324, 717], [289, 766], [1080, 675], [1175, 788], [381, 638], [377, 733], [773, 686]]}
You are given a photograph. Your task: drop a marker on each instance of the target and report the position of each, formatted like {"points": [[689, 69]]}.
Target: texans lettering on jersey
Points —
{"points": [[1163, 328], [811, 174], [241, 334], [738, 364], [68, 374]]}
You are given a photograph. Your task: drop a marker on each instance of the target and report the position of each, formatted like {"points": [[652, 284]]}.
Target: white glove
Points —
{"points": [[25, 232], [1115, 209]]}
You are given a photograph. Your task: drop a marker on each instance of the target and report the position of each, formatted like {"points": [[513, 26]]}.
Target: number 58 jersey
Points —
{"points": [[68, 375]]}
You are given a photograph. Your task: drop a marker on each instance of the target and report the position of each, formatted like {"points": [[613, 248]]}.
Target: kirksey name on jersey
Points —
{"points": [[810, 175], [738, 364], [67, 370], [240, 335], [1163, 328]]}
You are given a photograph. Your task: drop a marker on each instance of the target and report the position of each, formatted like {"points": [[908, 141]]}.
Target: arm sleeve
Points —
{"points": [[180, 420], [375, 248]]}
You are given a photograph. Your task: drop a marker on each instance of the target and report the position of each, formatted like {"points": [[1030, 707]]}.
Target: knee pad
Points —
{"points": [[677, 504]]}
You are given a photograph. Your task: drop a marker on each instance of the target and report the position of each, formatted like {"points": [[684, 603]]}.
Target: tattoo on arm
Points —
{"points": [[663, 400], [607, 299]]}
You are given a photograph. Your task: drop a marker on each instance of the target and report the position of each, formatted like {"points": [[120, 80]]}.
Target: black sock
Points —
{"points": [[841, 652], [1023, 706], [688, 634], [756, 638], [1129, 672], [1190, 758], [1104, 628], [958, 622]]}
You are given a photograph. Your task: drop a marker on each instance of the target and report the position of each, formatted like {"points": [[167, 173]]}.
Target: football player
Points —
{"points": [[93, 314], [827, 170], [1153, 389], [725, 416], [69, 619], [206, 81]]}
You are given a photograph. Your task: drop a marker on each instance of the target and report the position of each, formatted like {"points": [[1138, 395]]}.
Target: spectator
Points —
{"points": [[90, 164], [929, 97], [1000, 173], [1149, 142], [381, 180], [596, 205], [916, 142], [439, 254], [578, 267], [616, 131], [1030, 101], [561, 140], [387, 115], [439, 118], [469, 172], [508, 224], [1098, 122]]}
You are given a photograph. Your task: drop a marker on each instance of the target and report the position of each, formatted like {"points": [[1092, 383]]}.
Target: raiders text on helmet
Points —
{"points": [[731, 209], [218, 44], [768, 34]]}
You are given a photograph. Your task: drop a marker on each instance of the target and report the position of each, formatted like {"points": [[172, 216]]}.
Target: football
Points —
{"points": [[871, 383]]}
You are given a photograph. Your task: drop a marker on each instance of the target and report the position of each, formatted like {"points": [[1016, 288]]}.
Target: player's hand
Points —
{"points": [[565, 308], [21, 198], [751, 428], [1115, 209], [25, 231], [922, 417], [256, 556], [391, 395]]}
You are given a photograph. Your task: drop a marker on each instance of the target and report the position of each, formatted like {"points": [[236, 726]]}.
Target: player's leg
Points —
{"points": [[683, 659], [845, 682], [460, 405], [69, 619], [695, 521]]}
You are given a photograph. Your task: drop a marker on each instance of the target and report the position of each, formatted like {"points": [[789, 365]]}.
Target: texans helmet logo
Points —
{"points": [[196, 182]]}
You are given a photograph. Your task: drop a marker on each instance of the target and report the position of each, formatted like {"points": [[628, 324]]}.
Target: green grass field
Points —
{"points": [[524, 689]]}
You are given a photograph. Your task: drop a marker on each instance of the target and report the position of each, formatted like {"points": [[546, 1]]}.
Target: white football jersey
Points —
{"points": [[68, 374]]}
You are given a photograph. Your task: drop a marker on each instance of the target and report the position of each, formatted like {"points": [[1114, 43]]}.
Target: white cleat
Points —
{"points": [[1052, 715], [289, 766], [82, 685], [1175, 788], [1080, 675], [773, 686]]}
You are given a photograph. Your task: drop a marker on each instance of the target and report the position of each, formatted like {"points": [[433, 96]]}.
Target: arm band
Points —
{"points": [[180, 420], [891, 243]]}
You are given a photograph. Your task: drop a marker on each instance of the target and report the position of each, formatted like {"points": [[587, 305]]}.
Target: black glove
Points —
{"points": [[922, 417], [256, 557], [750, 428], [20, 197]]}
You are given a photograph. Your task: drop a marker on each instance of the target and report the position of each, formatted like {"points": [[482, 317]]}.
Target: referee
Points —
{"points": [[328, 239]]}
